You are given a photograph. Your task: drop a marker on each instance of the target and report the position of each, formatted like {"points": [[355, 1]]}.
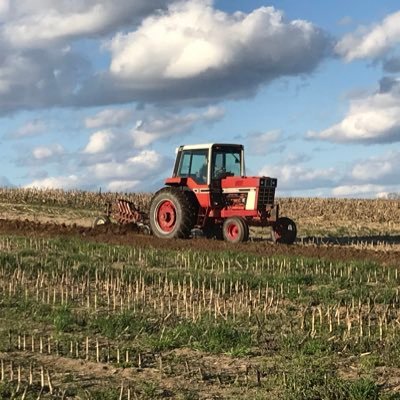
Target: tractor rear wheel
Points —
{"points": [[172, 214], [235, 230], [284, 231]]}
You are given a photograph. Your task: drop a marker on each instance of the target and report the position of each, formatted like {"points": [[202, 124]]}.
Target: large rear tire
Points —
{"points": [[284, 231], [235, 230], [172, 214]]}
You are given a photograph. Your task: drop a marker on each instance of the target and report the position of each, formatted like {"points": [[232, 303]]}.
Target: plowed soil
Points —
{"points": [[384, 250]]}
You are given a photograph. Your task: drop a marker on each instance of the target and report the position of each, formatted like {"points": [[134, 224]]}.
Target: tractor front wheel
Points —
{"points": [[284, 231], [172, 214], [235, 230]]}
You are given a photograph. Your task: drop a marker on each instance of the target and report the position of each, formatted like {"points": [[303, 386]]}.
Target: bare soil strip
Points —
{"points": [[125, 235]]}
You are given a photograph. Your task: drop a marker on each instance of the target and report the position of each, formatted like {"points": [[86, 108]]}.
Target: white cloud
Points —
{"points": [[46, 153], [138, 172], [369, 177], [153, 128], [187, 55], [383, 169], [367, 190], [371, 42], [38, 23], [152, 125], [40, 66], [109, 118], [99, 142], [32, 79], [139, 167], [122, 186], [261, 143], [29, 129], [299, 177], [194, 51], [4, 8], [374, 119], [375, 169], [66, 182], [372, 177]]}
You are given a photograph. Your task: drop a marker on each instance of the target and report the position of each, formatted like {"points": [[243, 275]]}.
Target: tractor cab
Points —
{"points": [[209, 162]]}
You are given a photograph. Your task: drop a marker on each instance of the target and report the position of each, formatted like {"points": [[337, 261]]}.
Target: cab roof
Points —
{"points": [[207, 146]]}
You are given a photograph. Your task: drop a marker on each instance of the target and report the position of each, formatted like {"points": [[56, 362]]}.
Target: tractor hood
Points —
{"points": [[248, 182]]}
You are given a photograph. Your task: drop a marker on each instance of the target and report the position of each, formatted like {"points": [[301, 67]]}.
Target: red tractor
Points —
{"points": [[210, 193]]}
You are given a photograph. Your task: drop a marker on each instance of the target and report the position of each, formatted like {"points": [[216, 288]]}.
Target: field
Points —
{"points": [[106, 313]]}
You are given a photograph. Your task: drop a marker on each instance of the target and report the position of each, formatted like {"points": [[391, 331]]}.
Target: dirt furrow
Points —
{"points": [[329, 249]]}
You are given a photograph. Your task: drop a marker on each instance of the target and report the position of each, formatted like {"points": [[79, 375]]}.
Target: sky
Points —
{"points": [[98, 94]]}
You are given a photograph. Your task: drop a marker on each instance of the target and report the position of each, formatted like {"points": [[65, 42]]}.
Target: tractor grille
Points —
{"points": [[266, 196]]}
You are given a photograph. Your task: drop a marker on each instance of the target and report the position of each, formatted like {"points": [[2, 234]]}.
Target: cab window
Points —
{"points": [[194, 165], [226, 162]]}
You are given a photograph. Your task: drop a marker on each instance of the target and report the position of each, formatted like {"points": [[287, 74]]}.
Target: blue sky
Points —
{"points": [[99, 93]]}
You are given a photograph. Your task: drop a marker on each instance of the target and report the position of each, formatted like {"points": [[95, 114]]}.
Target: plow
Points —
{"points": [[210, 195], [124, 212]]}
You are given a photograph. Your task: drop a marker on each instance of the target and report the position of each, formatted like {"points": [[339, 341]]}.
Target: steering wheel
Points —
{"points": [[219, 173]]}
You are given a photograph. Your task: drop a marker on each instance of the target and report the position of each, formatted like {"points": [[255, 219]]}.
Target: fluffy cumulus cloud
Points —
{"points": [[99, 142], [120, 157], [372, 177], [261, 143], [41, 63], [185, 51], [48, 153], [61, 182], [373, 119], [29, 129], [300, 177], [383, 169], [39, 157], [140, 166], [367, 190], [39, 23], [371, 42], [138, 172], [195, 52], [149, 130], [109, 118], [123, 186], [40, 78], [144, 128], [4, 8]]}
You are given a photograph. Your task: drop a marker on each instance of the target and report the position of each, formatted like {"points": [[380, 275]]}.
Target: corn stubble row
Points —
{"points": [[38, 380], [206, 287], [267, 296]]}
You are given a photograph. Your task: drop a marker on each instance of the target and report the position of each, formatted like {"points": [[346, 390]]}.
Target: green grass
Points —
{"points": [[233, 324]]}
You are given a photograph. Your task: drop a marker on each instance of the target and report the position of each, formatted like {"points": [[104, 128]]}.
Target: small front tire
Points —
{"points": [[235, 230], [284, 231]]}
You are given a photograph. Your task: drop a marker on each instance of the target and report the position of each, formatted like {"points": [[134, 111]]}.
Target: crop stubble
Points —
{"points": [[305, 320]]}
